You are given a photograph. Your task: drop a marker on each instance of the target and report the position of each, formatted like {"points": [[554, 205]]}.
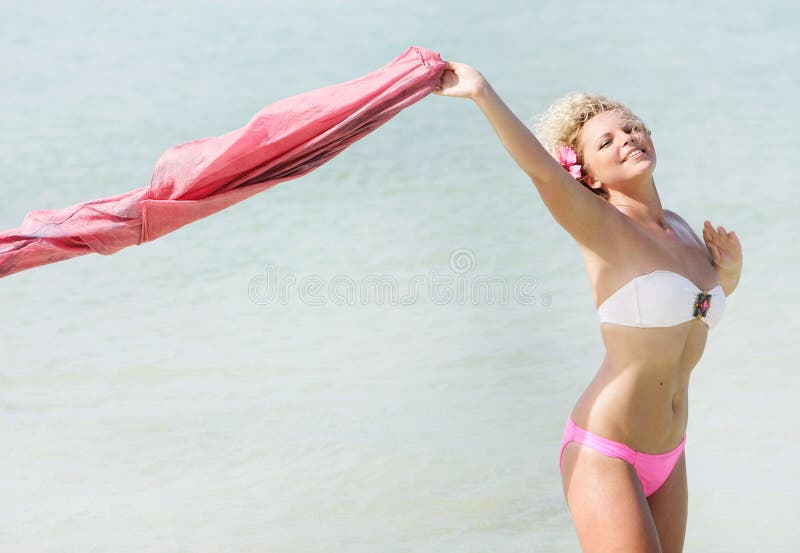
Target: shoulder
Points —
{"points": [[685, 229], [670, 213]]}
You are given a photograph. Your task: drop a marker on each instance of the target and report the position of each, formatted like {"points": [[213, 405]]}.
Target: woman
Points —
{"points": [[659, 290]]}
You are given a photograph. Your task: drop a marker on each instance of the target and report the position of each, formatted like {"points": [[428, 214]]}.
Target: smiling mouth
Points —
{"points": [[634, 154]]}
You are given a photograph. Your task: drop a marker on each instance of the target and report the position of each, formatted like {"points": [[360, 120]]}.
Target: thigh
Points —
{"points": [[670, 507], [607, 503]]}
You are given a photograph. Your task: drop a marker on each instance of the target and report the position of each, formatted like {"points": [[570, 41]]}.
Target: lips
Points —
{"points": [[634, 153]]}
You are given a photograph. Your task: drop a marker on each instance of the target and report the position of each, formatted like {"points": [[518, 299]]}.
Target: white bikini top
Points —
{"points": [[662, 298]]}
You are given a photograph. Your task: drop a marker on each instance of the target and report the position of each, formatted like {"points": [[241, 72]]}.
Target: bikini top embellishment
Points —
{"points": [[662, 298], [701, 305]]}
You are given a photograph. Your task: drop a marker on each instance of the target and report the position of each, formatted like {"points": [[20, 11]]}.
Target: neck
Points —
{"points": [[640, 203]]}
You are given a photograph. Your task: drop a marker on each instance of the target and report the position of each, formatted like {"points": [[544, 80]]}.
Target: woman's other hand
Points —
{"points": [[723, 246], [460, 80]]}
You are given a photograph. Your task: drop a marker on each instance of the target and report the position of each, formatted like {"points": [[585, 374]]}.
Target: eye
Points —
{"points": [[605, 143]]}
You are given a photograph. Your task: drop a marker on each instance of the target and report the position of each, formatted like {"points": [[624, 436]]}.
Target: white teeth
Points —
{"points": [[634, 153]]}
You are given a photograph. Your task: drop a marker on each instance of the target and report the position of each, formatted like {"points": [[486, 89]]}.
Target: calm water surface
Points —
{"points": [[150, 401]]}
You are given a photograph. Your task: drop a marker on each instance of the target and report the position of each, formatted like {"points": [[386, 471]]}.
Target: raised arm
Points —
{"points": [[585, 215]]}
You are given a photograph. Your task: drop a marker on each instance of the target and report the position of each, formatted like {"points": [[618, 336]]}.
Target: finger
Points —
{"points": [[721, 229]]}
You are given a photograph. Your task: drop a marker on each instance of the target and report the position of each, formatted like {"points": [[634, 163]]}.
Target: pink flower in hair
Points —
{"points": [[569, 161]]}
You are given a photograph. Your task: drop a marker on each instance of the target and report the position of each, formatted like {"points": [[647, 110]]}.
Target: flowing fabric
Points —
{"points": [[193, 180]]}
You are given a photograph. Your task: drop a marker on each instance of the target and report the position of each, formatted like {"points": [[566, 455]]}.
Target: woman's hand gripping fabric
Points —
{"points": [[460, 80]]}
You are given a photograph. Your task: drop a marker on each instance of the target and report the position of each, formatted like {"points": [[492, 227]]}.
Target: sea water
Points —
{"points": [[168, 398]]}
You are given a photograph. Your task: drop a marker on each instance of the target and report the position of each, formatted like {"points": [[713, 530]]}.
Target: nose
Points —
{"points": [[627, 137]]}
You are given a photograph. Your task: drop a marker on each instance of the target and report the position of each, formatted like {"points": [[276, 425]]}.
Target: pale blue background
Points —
{"points": [[148, 404]]}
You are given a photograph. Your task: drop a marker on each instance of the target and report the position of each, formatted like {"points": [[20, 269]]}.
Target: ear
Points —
{"points": [[592, 182]]}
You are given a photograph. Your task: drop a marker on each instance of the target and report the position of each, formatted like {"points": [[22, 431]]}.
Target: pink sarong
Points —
{"points": [[283, 141]]}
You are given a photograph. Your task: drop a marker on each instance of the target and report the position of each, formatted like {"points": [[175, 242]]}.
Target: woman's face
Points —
{"points": [[615, 151]]}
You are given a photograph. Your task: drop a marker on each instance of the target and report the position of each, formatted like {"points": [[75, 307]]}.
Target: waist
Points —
{"points": [[638, 405]]}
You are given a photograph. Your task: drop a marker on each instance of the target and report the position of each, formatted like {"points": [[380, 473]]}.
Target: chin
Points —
{"points": [[645, 168]]}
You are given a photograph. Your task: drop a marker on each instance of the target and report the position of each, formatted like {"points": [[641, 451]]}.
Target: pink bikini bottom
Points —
{"points": [[652, 469]]}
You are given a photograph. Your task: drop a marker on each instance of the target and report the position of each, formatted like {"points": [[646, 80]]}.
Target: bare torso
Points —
{"points": [[639, 396]]}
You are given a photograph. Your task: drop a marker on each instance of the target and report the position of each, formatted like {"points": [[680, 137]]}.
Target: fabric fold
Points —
{"points": [[198, 178]]}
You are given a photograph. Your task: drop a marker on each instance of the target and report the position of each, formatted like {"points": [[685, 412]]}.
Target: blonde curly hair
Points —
{"points": [[561, 124]]}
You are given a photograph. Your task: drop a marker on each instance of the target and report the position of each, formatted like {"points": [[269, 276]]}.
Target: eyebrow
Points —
{"points": [[598, 140]]}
